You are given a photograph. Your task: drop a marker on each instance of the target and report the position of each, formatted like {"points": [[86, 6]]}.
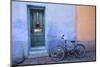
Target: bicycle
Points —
{"points": [[73, 48]]}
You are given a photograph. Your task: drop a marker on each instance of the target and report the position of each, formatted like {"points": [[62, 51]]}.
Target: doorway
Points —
{"points": [[37, 31]]}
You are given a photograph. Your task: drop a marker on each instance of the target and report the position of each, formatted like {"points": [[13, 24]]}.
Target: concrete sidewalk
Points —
{"points": [[90, 56]]}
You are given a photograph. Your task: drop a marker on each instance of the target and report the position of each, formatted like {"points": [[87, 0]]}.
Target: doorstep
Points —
{"points": [[38, 52]]}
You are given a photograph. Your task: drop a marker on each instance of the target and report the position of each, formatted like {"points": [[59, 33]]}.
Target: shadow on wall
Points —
{"points": [[17, 52], [90, 45]]}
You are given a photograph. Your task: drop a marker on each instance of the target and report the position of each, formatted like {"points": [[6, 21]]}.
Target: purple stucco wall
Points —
{"points": [[59, 20]]}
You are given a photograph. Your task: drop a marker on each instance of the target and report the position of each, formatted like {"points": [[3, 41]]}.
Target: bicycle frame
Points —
{"points": [[69, 47]]}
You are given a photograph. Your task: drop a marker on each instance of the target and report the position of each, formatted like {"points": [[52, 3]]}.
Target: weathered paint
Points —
{"points": [[86, 21], [59, 20]]}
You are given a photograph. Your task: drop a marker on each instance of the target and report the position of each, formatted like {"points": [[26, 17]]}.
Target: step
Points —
{"points": [[38, 48], [38, 52]]}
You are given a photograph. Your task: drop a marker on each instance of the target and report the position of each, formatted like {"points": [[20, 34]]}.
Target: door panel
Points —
{"points": [[37, 27]]}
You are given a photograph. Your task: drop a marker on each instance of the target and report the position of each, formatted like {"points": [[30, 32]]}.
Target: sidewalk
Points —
{"points": [[90, 56]]}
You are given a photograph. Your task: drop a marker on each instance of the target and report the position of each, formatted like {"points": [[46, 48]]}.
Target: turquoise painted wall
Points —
{"points": [[59, 20]]}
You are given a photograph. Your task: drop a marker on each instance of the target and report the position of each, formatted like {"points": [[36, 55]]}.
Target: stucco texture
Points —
{"points": [[86, 21], [59, 20]]}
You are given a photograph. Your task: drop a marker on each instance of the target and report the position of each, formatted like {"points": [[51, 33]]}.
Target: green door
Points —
{"points": [[37, 27]]}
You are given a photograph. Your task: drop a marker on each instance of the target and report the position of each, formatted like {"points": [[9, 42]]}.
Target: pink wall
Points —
{"points": [[85, 23], [86, 20]]}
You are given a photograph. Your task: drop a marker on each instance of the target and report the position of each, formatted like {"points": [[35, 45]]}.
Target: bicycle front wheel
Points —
{"points": [[80, 50]]}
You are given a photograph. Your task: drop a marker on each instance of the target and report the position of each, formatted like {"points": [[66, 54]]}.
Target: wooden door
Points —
{"points": [[37, 27]]}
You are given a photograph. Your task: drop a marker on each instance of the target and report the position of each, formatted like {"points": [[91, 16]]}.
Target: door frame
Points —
{"points": [[29, 28]]}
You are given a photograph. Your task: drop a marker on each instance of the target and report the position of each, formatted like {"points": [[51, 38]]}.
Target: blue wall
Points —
{"points": [[59, 20]]}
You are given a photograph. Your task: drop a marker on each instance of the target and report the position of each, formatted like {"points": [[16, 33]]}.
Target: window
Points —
{"points": [[37, 19]]}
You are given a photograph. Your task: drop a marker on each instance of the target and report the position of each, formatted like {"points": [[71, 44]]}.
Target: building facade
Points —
{"points": [[37, 27]]}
